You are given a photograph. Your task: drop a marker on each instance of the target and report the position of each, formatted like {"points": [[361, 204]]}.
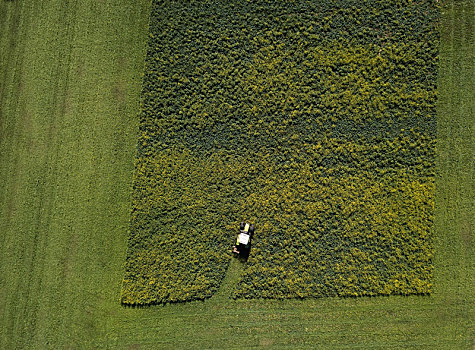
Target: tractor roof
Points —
{"points": [[243, 238]]}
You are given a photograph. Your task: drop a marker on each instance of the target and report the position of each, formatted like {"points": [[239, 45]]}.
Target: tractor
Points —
{"points": [[243, 241]]}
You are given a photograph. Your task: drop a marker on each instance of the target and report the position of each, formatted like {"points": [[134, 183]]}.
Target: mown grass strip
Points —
{"points": [[55, 143]]}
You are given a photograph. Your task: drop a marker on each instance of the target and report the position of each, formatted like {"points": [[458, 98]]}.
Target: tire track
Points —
{"points": [[31, 258], [6, 56], [10, 250], [445, 84], [465, 138], [47, 193], [45, 213], [12, 97]]}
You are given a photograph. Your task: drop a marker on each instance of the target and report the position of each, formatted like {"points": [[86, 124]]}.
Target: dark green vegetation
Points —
{"points": [[315, 120], [65, 202]]}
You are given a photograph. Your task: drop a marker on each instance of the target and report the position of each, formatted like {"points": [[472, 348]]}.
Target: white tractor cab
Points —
{"points": [[243, 241]]}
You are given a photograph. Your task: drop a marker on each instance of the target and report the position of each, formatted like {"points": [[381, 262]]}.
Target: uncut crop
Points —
{"points": [[315, 120]]}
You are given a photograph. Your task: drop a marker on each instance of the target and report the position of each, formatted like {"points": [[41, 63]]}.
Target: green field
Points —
{"points": [[70, 80]]}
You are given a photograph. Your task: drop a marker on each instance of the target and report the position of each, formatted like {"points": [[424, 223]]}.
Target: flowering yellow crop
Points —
{"points": [[315, 120]]}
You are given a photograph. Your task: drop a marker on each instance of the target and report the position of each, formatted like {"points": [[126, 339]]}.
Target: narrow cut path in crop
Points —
{"points": [[230, 280]]}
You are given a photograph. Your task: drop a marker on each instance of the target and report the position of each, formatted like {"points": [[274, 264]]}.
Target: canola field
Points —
{"points": [[314, 120]]}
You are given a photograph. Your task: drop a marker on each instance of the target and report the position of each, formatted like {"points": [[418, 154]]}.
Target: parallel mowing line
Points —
{"points": [[69, 10], [466, 155], [454, 127], [12, 66], [50, 166], [29, 312], [12, 318], [446, 69]]}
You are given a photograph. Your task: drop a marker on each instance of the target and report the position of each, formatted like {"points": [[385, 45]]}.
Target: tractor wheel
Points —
{"points": [[241, 227]]}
